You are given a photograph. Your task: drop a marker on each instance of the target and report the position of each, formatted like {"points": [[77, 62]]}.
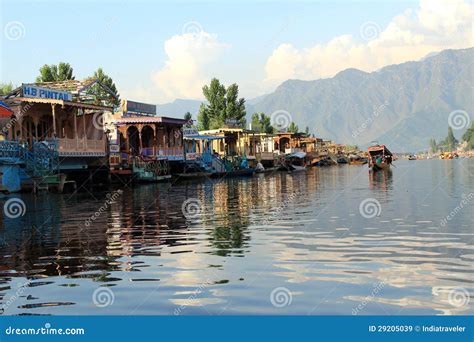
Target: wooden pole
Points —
{"points": [[53, 107], [84, 129]]}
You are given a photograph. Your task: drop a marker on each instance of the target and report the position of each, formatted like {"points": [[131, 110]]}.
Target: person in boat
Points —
{"points": [[259, 167]]}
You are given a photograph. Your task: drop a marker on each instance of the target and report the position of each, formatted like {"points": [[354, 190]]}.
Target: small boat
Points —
{"points": [[355, 159], [341, 160], [293, 167], [411, 157], [294, 162], [380, 157]]}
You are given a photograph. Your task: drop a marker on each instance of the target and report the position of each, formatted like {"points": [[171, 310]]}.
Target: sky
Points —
{"points": [[158, 51]]}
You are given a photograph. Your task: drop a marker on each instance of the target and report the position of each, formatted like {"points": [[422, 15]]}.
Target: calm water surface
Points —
{"points": [[304, 237]]}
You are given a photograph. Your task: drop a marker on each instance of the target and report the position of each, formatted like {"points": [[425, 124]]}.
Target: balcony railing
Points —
{"points": [[81, 147]]}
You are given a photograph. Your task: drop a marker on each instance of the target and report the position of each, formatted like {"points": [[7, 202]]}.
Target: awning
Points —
{"points": [[203, 137], [5, 111], [297, 155]]}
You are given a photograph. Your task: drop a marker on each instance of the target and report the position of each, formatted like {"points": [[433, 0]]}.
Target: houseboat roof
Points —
{"points": [[75, 87], [16, 100], [225, 130], [78, 92], [203, 137], [148, 120], [5, 111]]}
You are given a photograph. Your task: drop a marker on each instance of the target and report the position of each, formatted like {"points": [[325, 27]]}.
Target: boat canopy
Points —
{"points": [[297, 155], [379, 149]]}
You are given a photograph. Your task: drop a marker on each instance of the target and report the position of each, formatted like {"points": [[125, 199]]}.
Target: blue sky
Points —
{"points": [[236, 41]]}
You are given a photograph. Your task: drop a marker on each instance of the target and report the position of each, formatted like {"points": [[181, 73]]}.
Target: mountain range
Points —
{"points": [[401, 105]]}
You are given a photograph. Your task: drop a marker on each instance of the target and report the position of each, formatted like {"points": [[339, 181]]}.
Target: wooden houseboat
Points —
{"points": [[145, 146], [56, 129]]}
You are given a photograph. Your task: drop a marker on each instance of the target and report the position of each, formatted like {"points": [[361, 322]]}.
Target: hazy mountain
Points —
{"points": [[178, 108], [401, 105]]}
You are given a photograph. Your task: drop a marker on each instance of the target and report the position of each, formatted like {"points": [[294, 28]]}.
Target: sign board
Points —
{"points": [[231, 122], [114, 148], [189, 132], [138, 108], [191, 156], [45, 93]]}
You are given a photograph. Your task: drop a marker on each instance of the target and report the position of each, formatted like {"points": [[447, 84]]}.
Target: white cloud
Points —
{"points": [[185, 71], [434, 26]]}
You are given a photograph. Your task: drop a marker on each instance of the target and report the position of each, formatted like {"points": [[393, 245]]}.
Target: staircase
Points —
{"points": [[42, 160]]}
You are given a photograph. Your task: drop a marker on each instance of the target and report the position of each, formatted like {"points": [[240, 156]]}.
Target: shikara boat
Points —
{"points": [[294, 162], [380, 157], [248, 172]]}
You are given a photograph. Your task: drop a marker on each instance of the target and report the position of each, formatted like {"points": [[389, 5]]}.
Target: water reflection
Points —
{"points": [[302, 231]]}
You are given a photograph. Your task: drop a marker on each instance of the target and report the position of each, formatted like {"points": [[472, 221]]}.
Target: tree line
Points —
{"points": [[450, 143], [223, 106]]}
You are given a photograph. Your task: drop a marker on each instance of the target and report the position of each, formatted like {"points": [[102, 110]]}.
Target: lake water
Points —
{"points": [[336, 240]]}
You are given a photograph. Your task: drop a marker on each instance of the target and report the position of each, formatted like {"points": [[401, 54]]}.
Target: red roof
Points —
{"points": [[5, 111]]}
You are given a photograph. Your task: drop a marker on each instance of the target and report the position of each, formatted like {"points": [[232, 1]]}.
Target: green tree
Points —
{"points": [[203, 118], [261, 123], [222, 104], [306, 131], [189, 119], [53, 73], [235, 106], [293, 128], [5, 88], [468, 137], [450, 142], [100, 94], [433, 146]]}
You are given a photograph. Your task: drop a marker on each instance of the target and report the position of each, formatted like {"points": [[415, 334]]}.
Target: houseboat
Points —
{"points": [[144, 146], [235, 149], [55, 132]]}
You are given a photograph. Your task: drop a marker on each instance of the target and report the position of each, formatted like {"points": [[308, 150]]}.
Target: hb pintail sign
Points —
{"points": [[45, 93]]}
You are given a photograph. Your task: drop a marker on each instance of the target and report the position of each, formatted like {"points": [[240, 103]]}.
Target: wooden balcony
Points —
{"points": [[82, 147]]}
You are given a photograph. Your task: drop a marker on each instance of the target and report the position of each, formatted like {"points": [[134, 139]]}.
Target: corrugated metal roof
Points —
{"points": [[149, 119]]}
